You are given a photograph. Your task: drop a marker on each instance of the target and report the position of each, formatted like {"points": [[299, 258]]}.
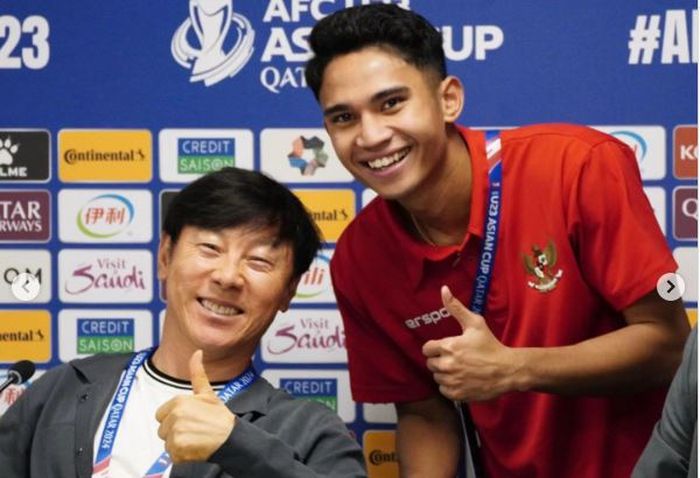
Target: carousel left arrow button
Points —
{"points": [[25, 287]]}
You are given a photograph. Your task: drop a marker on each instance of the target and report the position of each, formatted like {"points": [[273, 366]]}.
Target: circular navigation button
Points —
{"points": [[25, 287], [670, 286]]}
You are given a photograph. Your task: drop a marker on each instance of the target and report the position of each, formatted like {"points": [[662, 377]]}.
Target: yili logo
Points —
{"points": [[96, 335], [105, 216], [316, 280], [204, 155], [322, 390]]}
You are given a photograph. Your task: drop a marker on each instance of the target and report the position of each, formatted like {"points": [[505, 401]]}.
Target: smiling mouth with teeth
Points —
{"points": [[218, 308], [386, 161]]}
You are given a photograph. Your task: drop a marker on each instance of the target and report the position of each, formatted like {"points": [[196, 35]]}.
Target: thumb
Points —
{"points": [[198, 376], [465, 317]]}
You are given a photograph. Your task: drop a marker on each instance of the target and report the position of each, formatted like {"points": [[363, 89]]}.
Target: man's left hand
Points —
{"points": [[195, 426], [473, 366]]}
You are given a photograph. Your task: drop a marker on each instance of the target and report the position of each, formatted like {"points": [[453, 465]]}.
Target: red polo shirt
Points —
{"points": [[578, 243]]}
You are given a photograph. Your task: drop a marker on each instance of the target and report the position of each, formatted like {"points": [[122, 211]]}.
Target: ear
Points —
{"points": [[289, 295], [452, 97], [165, 249]]}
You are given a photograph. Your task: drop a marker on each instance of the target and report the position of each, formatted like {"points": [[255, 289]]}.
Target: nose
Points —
{"points": [[227, 273], [373, 132]]}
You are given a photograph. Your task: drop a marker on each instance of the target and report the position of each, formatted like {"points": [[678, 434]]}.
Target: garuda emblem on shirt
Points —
{"points": [[540, 264]]}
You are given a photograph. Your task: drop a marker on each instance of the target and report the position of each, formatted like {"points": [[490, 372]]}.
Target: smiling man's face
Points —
{"points": [[224, 288]]}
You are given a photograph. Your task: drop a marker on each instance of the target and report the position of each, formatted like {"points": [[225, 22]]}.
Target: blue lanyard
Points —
{"points": [[482, 281], [116, 412]]}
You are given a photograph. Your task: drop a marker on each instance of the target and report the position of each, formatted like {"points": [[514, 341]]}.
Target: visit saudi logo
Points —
{"points": [[105, 216]]}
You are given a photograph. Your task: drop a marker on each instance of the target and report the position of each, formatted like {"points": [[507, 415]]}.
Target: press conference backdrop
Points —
{"points": [[107, 108]]}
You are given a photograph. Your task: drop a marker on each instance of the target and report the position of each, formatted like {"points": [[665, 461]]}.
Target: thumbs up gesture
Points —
{"points": [[472, 366], [195, 426]]}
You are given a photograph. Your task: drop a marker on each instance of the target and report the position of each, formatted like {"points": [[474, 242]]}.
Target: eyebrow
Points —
{"points": [[380, 95]]}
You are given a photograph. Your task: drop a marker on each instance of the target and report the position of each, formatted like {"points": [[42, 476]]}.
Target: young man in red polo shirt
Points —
{"points": [[543, 231]]}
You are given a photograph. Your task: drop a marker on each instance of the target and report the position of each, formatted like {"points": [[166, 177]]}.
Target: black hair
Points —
{"points": [[406, 33], [233, 197]]}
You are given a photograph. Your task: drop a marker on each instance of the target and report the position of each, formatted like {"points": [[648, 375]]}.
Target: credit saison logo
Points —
{"points": [[321, 390], [315, 281], [73, 156], [380, 457], [97, 335], [204, 155], [105, 216]]}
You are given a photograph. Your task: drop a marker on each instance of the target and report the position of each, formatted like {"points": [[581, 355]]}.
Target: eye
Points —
{"points": [[392, 102], [341, 118], [208, 248], [260, 263]]}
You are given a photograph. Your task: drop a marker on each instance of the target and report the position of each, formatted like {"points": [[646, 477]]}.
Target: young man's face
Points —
{"points": [[224, 288], [386, 121]]}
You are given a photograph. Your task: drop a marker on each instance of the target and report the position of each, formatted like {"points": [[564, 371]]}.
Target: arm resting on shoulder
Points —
{"points": [[428, 438]]}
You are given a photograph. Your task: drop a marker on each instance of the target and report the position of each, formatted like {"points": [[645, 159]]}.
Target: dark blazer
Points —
{"points": [[50, 430]]}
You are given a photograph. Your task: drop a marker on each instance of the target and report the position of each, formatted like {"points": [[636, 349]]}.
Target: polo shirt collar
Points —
{"points": [[425, 252]]}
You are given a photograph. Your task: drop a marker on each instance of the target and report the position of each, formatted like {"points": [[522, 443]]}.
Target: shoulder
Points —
{"points": [[558, 133], [364, 233]]}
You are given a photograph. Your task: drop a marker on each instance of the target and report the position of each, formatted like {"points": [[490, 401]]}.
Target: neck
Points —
{"points": [[440, 214], [219, 368]]}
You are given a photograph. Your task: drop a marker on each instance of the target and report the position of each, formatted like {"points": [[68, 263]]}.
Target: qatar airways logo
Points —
{"points": [[305, 336], [105, 276]]}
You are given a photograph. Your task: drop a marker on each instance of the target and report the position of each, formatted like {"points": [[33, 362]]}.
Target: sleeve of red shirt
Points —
{"points": [[622, 251], [380, 371]]}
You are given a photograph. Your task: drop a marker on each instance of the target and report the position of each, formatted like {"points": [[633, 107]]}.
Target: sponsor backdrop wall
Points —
{"points": [[108, 108]]}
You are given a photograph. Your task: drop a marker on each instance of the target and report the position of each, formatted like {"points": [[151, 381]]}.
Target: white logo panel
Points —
{"points": [[99, 215], [14, 262], [84, 332], [379, 412], [187, 154], [367, 196], [315, 285], [300, 155], [657, 199], [98, 276], [299, 383], [648, 144], [687, 259], [305, 336]]}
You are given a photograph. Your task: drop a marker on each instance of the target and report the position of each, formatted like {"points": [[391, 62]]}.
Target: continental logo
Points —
{"points": [[25, 334], [332, 209], [379, 457], [379, 448], [105, 155]]}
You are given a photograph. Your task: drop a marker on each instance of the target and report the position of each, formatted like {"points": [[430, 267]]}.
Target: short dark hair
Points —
{"points": [[407, 33], [233, 197]]}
